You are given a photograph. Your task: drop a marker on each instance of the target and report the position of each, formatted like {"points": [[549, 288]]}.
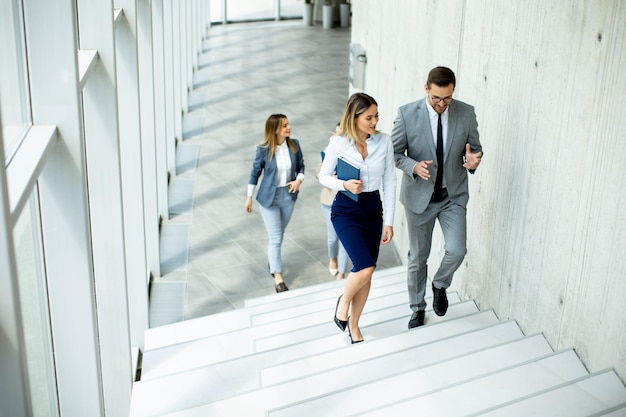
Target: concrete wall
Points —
{"points": [[547, 216]]}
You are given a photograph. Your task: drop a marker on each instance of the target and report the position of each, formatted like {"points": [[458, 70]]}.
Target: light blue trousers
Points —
{"points": [[335, 248], [276, 218]]}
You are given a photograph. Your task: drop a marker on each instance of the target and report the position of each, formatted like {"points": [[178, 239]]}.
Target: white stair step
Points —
{"points": [[282, 356], [374, 325], [422, 380], [377, 369], [411, 349], [482, 393], [258, 402], [201, 352], [590, 395], [397, 274], [240, 375], [374, 301], [618, 411], [227, 321]]}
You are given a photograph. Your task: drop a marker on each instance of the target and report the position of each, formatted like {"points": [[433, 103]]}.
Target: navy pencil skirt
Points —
{"points": [[359, 226]]}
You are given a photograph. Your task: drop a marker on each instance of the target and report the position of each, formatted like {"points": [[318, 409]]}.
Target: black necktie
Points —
{"points": [[439, 180]]}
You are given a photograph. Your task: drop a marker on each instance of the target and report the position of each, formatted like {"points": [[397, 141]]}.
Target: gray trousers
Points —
{"points": [[452, 219]]}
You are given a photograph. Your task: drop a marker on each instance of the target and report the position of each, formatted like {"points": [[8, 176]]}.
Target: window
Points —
{"points": [[34, 309], [245, 10], [14, 102], [291, 8], [238, 10]]}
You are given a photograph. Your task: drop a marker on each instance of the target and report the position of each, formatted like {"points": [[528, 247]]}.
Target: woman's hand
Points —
{"points": [[387, 235], [354, 186], [294, 186], [249, 204]]}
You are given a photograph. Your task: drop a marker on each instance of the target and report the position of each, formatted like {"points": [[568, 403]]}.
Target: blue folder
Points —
{"points": [[347, 171]]}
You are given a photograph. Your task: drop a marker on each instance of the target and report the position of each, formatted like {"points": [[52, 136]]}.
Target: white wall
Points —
{"points": [[547, 217]]}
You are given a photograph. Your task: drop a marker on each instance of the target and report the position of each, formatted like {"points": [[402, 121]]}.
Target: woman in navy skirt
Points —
{"points": [[362, 221]]}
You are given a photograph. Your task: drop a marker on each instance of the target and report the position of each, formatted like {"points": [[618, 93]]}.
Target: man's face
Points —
{"points": [[439, 97]]}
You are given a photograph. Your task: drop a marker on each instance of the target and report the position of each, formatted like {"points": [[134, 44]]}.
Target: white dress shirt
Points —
{"points": [[378, 170]]}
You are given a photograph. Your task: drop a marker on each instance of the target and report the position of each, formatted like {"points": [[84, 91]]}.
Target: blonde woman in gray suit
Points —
{"points": [[280, 162], [435, 143]]}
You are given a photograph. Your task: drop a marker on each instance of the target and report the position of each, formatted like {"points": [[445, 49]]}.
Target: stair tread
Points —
{"points": [[294, 330], [197, 328], [258, 402], [590, 395], [418, 389], [375, 325], [617, 411], [239, 375], [397, 273], [425, 339], [477, 394], [398, 290], [281, 355]]}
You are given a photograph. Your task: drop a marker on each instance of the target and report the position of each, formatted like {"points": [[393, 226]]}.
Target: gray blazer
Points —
{"points": [[262, 163], [413, 141]]}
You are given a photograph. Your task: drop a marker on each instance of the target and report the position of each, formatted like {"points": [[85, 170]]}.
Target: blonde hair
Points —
{"points": [[272, 125], [357, 104]]}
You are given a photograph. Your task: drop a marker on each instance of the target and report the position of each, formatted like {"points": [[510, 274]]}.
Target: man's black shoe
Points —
{"points": [[440, 301], [417, 319]]}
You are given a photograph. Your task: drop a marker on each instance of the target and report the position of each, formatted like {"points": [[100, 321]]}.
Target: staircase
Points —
{"points": [[282, 355]]}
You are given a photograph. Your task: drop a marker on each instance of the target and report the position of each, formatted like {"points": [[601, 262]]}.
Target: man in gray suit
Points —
{"points": [[436, 142]]}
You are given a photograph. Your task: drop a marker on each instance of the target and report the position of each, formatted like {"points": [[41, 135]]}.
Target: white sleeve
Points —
{"points": [[327, 171]]}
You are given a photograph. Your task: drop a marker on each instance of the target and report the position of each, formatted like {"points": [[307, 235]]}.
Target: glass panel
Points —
{"points": [[14, 103], [35, 313], [290, 9], [238, 10], [255, 9], [215, 10]]}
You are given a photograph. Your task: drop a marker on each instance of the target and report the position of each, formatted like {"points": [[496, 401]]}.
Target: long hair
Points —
{"points": [[357, 104], [273, 124]]}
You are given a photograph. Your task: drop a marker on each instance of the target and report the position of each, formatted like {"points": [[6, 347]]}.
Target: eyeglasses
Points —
{"points": [[436, 100]]}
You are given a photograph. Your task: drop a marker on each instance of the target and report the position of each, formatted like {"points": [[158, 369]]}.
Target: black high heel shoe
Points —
{"points": [[340, 323], [352, 340]]}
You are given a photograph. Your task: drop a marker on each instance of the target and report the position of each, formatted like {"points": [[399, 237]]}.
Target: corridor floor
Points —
{"points": [[247, 72]]}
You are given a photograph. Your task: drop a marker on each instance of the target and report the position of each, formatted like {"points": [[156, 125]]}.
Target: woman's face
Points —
{"points": [[284, 130], [366, 122]]}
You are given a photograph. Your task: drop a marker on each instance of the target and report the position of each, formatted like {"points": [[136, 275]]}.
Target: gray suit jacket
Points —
{"points": [[413, 142]]}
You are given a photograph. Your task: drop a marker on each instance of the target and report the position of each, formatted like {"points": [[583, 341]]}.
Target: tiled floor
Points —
{"points": [[247, 72]]}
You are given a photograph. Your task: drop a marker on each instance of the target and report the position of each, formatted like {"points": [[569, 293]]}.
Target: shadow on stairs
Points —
{"points": [[282, 355]]}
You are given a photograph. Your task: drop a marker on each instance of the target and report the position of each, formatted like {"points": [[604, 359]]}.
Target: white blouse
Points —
{"points": [[283, 163], [378, 170]]}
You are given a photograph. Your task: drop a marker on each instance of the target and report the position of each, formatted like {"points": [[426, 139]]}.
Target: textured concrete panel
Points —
{"points": [[546, 216]]}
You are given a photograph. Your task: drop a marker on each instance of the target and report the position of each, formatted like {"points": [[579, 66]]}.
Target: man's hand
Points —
{"points": [[472, 160], [421, 169]]}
